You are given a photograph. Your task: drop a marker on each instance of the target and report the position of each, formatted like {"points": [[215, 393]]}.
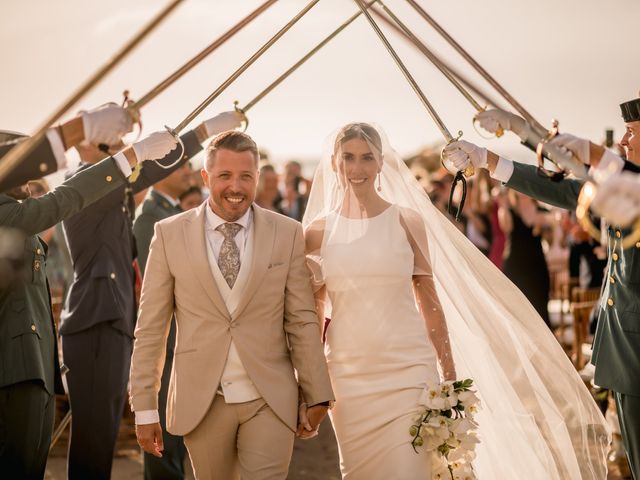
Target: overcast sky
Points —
{"points": [[574, 60]]}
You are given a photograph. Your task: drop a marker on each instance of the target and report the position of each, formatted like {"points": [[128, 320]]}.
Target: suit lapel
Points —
{"points": [[263, 238], [194, 237]]}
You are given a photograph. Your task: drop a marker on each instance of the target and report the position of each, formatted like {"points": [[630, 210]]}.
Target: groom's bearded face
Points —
{"points": [[232, 179]]}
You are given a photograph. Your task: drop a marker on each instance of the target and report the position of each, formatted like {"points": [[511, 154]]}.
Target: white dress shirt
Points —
{"points": [[610, 163], [235, 384]]}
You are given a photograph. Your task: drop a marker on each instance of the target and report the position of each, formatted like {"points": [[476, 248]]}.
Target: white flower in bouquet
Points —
{"points": [[461, 471], [446, 429], [468, 398], [447, 387], [432, 399], [439, 427], [439, 468]]}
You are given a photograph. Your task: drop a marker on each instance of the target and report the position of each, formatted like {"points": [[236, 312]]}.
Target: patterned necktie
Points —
{"points": [[229, 257]]}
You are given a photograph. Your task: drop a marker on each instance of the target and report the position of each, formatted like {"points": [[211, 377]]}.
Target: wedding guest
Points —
{"points": [[191, 198]]}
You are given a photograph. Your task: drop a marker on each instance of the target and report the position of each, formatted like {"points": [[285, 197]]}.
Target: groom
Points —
{"points": [[235, 276]]}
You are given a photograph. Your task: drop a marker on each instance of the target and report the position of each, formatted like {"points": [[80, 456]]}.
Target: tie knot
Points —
{"points": [[229, 230]]}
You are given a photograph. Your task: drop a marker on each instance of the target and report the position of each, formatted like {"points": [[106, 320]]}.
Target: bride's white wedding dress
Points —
{"points": [[377, 348], [536, 421]]}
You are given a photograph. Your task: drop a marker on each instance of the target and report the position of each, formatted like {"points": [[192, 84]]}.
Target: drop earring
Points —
{"points": [[379, 184]]}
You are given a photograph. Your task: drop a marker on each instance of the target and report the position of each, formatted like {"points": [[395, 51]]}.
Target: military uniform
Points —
{"points": [[29, 369], [171, 466], [42, 160], [99, 317], [616, 347]]}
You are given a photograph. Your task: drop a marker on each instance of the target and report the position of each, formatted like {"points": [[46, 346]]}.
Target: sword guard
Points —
{"points": [[239, 109]]}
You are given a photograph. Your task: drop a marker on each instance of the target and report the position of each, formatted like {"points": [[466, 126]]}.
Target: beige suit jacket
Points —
{"points": [[275, 328]]}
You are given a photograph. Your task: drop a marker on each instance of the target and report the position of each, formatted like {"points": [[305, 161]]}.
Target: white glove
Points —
{"points": [[493, 120], [106, 124], [618, 199], [461, 153], [155, 146], [223, 122], [570, 144]]}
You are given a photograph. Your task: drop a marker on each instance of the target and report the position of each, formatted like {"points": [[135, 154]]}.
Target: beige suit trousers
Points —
{"points": [[240, 440]]}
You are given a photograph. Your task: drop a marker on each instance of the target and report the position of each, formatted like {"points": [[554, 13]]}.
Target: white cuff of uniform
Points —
{"points": [[146, 417], [57, 147], [610, 164], [123, 163], [503, 170]]}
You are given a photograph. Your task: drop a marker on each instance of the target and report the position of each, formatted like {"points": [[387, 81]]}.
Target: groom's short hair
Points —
{"points": [[231, 140]]}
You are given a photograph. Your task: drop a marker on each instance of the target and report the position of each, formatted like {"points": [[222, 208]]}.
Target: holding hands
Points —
{"points": [[309, 419]]}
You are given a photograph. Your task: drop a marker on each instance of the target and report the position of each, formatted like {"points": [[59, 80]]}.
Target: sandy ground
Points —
{"points": [[315, 459]]}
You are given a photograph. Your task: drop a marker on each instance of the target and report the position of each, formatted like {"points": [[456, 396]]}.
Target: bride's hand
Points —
{"points": [[305, 430]]}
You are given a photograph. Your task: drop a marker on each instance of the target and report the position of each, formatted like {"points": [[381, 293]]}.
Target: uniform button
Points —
{"points": [[612, 279], [108, 178], [43, 167], [615, 257], [39, 252], [124, 209], [36, 266], [610, 302], [637, 244], [33, 327], [618, 233], [113, 276]]}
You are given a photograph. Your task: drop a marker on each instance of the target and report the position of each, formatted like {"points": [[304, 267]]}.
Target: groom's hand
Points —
{"points": [[314, 416], [150, 438]]}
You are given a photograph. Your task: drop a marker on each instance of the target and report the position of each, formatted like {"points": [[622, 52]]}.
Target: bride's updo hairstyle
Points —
{"points": [[363, 131]]}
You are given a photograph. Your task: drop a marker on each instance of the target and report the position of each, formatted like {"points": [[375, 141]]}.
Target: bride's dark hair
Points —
{"points": [[363, 131]]}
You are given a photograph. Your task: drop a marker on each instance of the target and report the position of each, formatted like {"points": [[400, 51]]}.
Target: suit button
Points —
{"points": [[108, 178], [33, 327], [612, 279], [610, 302], [615, 257], [618, 233], [113, 276]]}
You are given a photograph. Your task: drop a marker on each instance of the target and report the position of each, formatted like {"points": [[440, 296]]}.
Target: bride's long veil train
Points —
{"points": [[538, 420]]}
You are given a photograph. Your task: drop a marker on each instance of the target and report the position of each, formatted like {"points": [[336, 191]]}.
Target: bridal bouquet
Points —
{"points": [[447, 430]]}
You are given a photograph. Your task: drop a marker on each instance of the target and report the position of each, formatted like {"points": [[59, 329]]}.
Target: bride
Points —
{"points": [[411, 301]]}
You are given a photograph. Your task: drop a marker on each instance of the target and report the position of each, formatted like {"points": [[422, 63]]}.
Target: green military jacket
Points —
{"points": [[154, 208], [28, 346], [616, 347]]}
